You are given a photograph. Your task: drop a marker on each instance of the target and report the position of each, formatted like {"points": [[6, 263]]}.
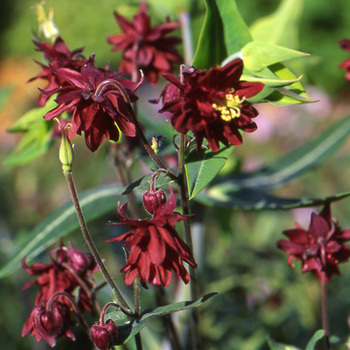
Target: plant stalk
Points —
{"points": [[195, 337], [324, 311], [90, 242]]}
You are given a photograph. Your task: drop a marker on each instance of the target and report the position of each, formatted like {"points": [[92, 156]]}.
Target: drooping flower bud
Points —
{"points": [[49, 323], [79, 260], [153, 199], [104, 336]]}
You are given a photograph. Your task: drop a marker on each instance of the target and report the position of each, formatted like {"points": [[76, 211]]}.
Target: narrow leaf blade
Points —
{"points": [[60, 223]]}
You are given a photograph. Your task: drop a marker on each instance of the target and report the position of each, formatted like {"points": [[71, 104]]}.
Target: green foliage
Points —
{"points": [[63, 221], [249, 191], [202, 168]]}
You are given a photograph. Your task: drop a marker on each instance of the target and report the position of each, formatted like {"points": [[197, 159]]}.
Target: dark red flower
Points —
{"points": [[156, 249], [49, 322], [152, 199], [70, 270], [145, 47], [104, 336], [212, 104], [98, 100], [345, 44], [320, 248], [58, 56]]}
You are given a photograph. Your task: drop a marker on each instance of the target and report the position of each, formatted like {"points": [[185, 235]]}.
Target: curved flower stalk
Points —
{"points": [[145, 47], [211, 104], [156, 249], [95, 98]]}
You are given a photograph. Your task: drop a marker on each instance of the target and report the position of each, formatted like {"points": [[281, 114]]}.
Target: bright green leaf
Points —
{"points": [[316, 337], [282, 26], [62, 222], [258, 55], [201, 168], [279, 346], [224, 32]]}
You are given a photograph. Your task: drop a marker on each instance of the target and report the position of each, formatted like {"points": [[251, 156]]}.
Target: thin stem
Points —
{"points": [[89, 241], [138, 341], [137, 297], [195, 337], [324, 311], [186, 32], [148, 147]]}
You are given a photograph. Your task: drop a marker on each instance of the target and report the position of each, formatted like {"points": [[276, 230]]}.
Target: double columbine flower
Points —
{"points": [[212, 104], [320, 248], [68, 274], [345, 44], [98, 100], [156, 249], [58, 56], [145, 47]]}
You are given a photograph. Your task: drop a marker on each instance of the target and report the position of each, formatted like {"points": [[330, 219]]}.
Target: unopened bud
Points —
{"points": [[104, 336], [153, 199], [46, 24], [66, 152]]}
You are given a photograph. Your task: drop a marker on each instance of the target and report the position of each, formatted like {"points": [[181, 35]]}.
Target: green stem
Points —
{"points": [[324, 311], [186, 34], [90, 242], [195, 337]]}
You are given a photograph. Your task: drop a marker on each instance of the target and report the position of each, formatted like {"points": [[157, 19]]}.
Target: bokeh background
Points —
{"points": [[259, 294]]}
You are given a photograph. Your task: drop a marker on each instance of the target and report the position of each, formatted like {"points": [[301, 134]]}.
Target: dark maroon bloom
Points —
{"points": [[104, 336], [49, 322], [58, 56], [98, 100], [70, 270], [345, 44], [156, 249], [145, 47], [212, 104], [320, 248]]}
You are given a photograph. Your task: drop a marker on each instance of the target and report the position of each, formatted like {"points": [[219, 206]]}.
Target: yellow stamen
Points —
{"points": [[231, 108]]}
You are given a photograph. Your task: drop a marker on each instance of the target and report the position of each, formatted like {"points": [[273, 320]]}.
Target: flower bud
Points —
{"points": [[66, 152], [104, 336], [153, 199], [79, 260]]}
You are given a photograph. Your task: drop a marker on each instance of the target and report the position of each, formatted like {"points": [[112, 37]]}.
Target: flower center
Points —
{"points": [[231, 108]]}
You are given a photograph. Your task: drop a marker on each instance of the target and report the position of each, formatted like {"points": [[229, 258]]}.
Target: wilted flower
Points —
{"points": [[156, 249], [98, 100], [58, 56], [145, 47], [104, 336], [212, 104], [320, 248], [49, 322], [345, 44], [65, 273]]}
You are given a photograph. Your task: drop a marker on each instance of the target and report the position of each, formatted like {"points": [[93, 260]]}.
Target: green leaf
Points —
{"points": [[60, 223], [294, 164], [316, 337], [249, 199], [128, 328], [282, 26], [279, 346], [224, 32], [258, 55], [179, 306], [201, 168]]}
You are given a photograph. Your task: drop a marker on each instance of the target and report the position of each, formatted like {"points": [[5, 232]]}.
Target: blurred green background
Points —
{"points": [[259, 294]]}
